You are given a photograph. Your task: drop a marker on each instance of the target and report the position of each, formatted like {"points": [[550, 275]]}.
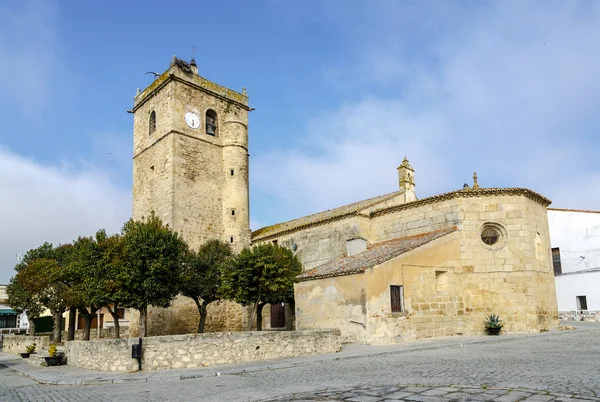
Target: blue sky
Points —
{"points": [[343, 90]]}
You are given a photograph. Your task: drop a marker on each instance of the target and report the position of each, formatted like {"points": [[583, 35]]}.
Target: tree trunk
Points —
{"points": [[72, 320], [259, 316], [251, 321], [115, 317], [30, 319], [88, 317], [203, 314], [56, 329], [143, 323]]}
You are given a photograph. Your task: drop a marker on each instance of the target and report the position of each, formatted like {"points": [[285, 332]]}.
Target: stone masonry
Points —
{"points": [[199, 350], [194, 181]]}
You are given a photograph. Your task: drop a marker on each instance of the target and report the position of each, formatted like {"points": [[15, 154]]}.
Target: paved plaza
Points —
{"points": [[554, 366]]}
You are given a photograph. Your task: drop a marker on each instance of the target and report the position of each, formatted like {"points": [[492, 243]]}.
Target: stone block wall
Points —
{"points": [[183, 317], [587, 315], [16, 343], [104, 333], [200, 350]]}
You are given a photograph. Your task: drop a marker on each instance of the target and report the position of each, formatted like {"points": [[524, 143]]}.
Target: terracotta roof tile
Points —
{"points": [[376, 254]]}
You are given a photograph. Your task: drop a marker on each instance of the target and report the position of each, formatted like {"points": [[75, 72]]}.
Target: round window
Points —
{"points": [[490, 235]]}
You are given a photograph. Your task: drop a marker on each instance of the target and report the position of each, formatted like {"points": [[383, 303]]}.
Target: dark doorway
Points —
{"points": [[278, 315]]}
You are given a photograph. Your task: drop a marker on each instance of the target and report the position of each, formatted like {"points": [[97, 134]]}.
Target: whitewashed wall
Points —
{"points": [[577, 234]]}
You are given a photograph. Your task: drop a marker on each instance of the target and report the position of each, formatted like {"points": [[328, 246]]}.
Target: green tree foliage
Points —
{"points": [[82, 277], [22, 300], [201, 275], [263, 274], [111, 275], [153, 256]]}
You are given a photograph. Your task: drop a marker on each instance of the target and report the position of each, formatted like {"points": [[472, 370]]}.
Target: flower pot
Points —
{"points": [[25, 355], [53, 360], [493, 331]]}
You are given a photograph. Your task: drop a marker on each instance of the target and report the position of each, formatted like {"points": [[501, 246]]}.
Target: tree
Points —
{"points": [[152, 258], [21, 300], [201, 275], [41, 279], [111, 275], [38, 283], [264, 274], [82, 277]]}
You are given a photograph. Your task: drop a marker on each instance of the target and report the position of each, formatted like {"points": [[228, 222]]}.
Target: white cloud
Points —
{"points": [[510, 91], [53, 203]]}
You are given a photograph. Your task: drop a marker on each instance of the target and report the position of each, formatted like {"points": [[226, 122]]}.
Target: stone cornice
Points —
{"points": [[188, 136], [465, 194], [274, 233], [207, 86]]}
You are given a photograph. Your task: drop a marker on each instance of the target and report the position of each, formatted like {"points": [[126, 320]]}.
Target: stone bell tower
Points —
{"points": [[190, 160]]}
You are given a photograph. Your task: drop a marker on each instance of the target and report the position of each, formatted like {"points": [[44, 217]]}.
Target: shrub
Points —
{"points": [[30, 348], [52, 350], [493, 321]]}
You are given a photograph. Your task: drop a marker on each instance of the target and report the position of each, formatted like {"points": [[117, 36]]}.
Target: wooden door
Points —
{"points": [[278, 315], [81, 321]]}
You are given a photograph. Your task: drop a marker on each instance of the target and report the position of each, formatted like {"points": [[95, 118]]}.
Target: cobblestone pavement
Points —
{"points": [[423, 393], [557, 367]]}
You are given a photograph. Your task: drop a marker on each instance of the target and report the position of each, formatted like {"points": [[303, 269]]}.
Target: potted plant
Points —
{"points": [[29, 349], [53, 358], [493, 325]]}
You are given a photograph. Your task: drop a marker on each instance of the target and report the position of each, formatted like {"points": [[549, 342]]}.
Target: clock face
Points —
{"points": [[192, 120]]}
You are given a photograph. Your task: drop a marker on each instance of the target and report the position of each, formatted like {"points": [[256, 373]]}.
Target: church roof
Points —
{"points": [[377, 207], [376, 254], [328, 215]]}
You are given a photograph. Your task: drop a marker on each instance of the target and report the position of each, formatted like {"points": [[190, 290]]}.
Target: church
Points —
{"points": [[382, 270]]}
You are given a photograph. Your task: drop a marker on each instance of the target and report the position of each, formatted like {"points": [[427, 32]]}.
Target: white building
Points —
{"points": [[575, 239]]}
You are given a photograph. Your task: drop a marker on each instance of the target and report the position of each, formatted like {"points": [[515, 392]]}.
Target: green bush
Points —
{"points": [[52, 350], [493, 321]]}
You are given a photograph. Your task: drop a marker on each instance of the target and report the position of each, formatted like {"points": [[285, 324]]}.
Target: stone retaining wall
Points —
{"points": [[199, 350], [586, 315], [16, 343]]}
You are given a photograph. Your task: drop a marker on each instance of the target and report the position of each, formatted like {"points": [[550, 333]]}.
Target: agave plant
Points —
{"points": [[493, 321], [52, 350], [30, 348]]}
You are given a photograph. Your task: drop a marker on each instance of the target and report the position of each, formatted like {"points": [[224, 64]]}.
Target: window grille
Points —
{"points": [[581, 303]]}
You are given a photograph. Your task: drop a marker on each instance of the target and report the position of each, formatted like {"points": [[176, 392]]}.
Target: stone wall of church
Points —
{"points": [[183, 317], [318, 244], [451, 284]]}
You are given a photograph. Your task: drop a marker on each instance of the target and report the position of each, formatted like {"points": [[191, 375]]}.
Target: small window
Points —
{"points": [[152, 123], [490, 235], [231, 172], [120, 312], [581, 303], [233, 212], [397, 296], [556, 261], [211, 122], [231, 239]]}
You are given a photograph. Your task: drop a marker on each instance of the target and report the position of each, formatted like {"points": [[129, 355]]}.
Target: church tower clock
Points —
{"points": [[190, 159]]}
